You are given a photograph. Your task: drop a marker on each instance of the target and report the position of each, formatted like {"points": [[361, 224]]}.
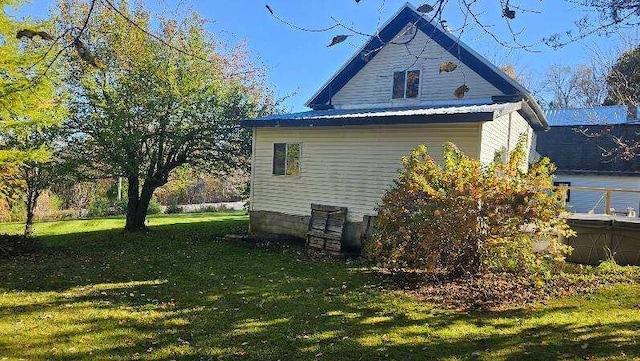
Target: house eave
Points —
{"points": [[375, 120], [529, 109]]}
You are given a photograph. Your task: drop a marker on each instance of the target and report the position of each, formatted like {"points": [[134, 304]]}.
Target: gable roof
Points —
{"points": [[409, 15]]}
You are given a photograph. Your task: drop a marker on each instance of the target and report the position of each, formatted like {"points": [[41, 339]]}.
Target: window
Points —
{"points": [[406, 84], [286, 159], [564, 184]]}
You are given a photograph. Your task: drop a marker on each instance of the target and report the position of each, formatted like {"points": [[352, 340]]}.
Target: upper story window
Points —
{"points": [[286, 159], [406, 84]]}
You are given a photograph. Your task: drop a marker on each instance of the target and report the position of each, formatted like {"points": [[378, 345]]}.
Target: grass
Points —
{"points": [[178, 292]]}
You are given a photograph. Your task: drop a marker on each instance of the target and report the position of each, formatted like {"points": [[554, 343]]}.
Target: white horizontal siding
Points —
{"points": [[582, 201], [503, 133], [373, 83], [345, 166]]}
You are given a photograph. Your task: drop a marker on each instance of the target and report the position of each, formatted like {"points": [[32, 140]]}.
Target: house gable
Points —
{"points": [[373, 84], [367, 77]]}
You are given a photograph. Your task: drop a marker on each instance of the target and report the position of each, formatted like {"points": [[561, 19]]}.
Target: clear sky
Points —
{"points": [[300, 62]]}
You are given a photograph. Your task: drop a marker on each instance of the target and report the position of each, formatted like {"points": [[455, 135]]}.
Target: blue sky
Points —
{"points": [[300, 62]]}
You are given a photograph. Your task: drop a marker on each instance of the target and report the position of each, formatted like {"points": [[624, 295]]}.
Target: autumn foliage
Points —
{"points": [[460, 217]]}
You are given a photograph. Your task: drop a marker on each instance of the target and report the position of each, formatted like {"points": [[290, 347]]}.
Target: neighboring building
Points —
{"points": [[577, 143], [386, 100]]}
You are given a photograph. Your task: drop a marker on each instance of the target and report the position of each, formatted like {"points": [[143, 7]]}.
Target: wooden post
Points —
{"points": [[607, 201]]}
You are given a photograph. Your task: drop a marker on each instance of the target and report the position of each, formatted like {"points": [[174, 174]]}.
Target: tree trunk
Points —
{"points": [[28, 229], [132, 204], [32, 201], [137, 205]]}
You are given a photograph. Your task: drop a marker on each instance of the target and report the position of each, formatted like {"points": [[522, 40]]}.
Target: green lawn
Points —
{"points": [[178, 292]]}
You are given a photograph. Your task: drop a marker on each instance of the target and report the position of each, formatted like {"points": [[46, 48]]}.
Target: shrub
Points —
{"points": [[98, 207], [174, 208], [154, 206], [117, 207], [213, 208], [49, 204], [462, 218]]}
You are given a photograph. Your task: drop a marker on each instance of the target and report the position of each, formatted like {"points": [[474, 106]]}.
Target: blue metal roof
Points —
{"points": [[616, 114], [436, 113]]}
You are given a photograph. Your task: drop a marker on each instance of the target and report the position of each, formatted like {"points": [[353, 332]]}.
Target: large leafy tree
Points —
{"points": [[29, 104], [145, 103], [623, 80], [23, 96], [27, 97]]}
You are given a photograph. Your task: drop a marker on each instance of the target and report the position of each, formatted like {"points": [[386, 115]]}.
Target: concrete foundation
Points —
{"points": [[276, 224]]}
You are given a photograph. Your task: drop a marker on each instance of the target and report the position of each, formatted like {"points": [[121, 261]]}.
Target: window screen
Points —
{"points": [[286, 159], [398, 84], [413, 83], [293, 159]]}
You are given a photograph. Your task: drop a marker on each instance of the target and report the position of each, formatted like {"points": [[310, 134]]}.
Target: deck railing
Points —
{"points": [[607, 192]]}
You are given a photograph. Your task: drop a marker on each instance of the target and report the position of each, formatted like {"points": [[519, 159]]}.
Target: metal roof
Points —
{"points": [[601, 115], [395, 111], [394, 115]]}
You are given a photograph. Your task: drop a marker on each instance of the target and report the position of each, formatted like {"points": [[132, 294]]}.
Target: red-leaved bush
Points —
{"points": [[461, 217]]}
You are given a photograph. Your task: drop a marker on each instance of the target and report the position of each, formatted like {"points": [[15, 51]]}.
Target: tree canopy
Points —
{"points": [[30, 102], [27, 99], [623, 80], [146, 106]]}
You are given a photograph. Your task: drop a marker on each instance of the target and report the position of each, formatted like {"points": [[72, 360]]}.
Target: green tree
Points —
{"points": [[623, 80], [30, 107], [157, 102], [27, 98], [32, 177]]}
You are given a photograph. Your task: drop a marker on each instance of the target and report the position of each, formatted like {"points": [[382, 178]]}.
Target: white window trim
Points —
{"points": [[286, 156], [404, 96]]}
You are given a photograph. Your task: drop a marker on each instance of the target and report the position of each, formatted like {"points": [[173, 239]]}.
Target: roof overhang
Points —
{"points": [[383, 116]]}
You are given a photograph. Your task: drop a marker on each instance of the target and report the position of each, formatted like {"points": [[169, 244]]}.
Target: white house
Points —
{"points": [[576, 141], [388, 98]]}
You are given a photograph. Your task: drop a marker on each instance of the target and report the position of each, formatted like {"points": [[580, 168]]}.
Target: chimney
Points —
{"points": [[632, 112]]}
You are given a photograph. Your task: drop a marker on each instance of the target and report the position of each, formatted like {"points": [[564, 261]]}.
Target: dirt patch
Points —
{"points": [[496, 291]]}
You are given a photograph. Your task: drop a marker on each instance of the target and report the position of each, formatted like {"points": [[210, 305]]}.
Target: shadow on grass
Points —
{"points": [[179, 292]]}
